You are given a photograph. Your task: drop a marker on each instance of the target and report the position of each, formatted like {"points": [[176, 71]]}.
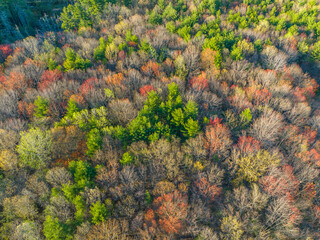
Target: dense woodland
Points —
{"points": [[188, 119]]}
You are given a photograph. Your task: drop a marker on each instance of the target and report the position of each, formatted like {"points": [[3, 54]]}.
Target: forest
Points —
{"points": [[159, 119]]}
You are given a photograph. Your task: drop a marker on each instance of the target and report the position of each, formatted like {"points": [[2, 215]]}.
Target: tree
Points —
{"points": [[71, 108], [28, 230], [253, 166], [53, 229], [231, 228], [171, 210], [98, 212], [127, 159], [82, 14], [41, 107], [94, 141], [217, 138], [111, 229], [35, 148], [74, 61], [8, 160]]}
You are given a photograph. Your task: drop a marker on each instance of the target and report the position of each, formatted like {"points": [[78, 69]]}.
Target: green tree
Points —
{"points": [[72, 108], [98, 212], [126, 159], [41, 107], [191, 128], [94, 141], [99, 52], [53, 229], [170, 13], [82, 173], [73, 61], [35, 148], [83, 13]]}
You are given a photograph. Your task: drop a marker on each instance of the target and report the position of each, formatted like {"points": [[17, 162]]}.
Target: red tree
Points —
{"points": [[248, 144], [49, 77], [150, 68], [217, 137], [5, 51], [170, 212], [88, 85], [207, 190], [145, 89], [199, 83]]}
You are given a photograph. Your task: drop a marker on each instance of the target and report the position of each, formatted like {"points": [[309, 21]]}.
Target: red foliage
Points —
{"points": [[88, 85], [248, 144], [15, 81], [78, 99], [57, 110], [146, 89], [121, 55], [199, 83], [284, 183], [258, 96], [25, 110], [309, 134], [210, 192], [49, 77], [116, 79], [295, 215], [309, 190], [132, 44], [170, 212], [5, 51], [151, 68], [310, 156], [217, 137], [261, 96]]}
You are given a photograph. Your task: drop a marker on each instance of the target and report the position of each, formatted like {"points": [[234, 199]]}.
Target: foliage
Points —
{"points": [[252, 166], [41, 107], [35, 148], [98, 212]]}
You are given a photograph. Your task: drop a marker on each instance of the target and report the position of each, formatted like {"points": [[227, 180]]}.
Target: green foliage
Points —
{"points": [[41, 107], [127, 159], [82, 173], [80, 207], [109, 94], [35, 148], [71, 108], [155, 18], [162, 119], [83, 13], [258, 45], [191, 128], [73, 61], [87, 120], [94, 141], [316, 51], [53, 229], [98, 212], [245, 117], [170, 13], [170, 26], [180, 67], [236, 54], [148, 197], [99, 52]]}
